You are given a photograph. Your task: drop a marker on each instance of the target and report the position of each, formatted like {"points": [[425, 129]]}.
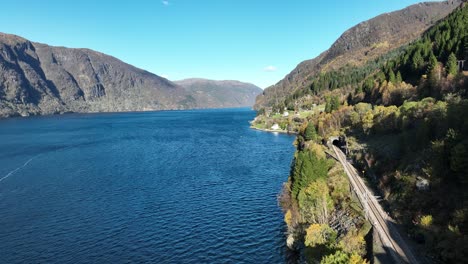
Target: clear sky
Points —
{"points": [[257, 41]]}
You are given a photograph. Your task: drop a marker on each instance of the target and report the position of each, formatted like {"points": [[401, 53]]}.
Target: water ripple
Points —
{"points": [[166, 187]]}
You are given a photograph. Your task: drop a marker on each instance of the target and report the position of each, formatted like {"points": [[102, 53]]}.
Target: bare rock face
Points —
{"points": [[40, 79], [362, 43]]}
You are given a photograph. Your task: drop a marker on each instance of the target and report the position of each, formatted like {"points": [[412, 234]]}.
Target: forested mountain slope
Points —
{"points": [[406, 124], [358, 46]]}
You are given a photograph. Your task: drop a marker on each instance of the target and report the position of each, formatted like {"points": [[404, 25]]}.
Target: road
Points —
{"points": [[384, 225]]}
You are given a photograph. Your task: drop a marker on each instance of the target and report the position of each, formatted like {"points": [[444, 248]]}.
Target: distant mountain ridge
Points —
{"points": [[40, 79], [221, 93], [361, 43]]}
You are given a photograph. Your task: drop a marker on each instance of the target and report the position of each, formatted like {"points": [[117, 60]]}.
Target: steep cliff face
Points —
{"points": [[362, 43], [40, 79], [221, 93]]}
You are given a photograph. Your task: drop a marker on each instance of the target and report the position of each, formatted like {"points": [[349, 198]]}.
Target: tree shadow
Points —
{"points": [[385, 258]]}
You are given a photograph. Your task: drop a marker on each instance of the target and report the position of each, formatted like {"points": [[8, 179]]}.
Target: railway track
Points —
{"points": [[389, 235]]}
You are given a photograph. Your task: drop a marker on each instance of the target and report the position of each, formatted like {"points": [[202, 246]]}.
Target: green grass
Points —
{"points": [[259, 125], [307, 113]]}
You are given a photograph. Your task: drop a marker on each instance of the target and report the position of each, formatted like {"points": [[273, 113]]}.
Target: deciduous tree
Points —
{"points": [[319, 234]]}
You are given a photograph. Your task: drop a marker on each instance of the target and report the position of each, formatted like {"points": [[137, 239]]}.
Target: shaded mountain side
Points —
{"points": [[360, 44], [39, 79], [211, 93]]}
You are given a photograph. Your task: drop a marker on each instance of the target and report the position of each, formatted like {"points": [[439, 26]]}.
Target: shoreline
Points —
{"points": [[32, 115], [274, 131]]}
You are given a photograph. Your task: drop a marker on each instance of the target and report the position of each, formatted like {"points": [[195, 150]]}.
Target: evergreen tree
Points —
{"points": [[310, 132], [417, 61], [432, 63], [398, 77], [335, 103], [368, 85], [328, 108], [391, 76], [308, 167], [433, 71], [452, 67]]}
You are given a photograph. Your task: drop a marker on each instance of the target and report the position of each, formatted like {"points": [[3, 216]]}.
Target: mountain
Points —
{"points": [[211, 93], [361, 44], [403, 123], [40, 79]]}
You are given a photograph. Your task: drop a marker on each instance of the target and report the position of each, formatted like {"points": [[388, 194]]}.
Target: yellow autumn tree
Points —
{"points": [[353, 242], [315, 203], [367, 121], [356, 259], [319, 234], [338, 184], [340, 257], [426, 221]]}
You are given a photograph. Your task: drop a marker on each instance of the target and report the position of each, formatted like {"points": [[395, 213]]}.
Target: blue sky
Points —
{"points": [[257, 41]]}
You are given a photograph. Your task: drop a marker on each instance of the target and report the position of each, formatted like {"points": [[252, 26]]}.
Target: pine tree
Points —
{"points": [[432, 63], [335, 103], [452, 67], [391, 76], [328, 108], [417, 60], [310, 132], [399, 79], [368, 85], [433, 71]]}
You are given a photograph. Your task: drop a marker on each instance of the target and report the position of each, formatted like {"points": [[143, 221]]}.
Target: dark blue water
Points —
{"points": [[161, 187]]}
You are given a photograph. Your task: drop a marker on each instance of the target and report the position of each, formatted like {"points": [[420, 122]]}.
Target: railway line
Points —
{"points": [[383, 223]]}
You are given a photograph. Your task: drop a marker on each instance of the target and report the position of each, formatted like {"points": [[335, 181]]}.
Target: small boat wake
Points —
{"points": [[17, 169]]}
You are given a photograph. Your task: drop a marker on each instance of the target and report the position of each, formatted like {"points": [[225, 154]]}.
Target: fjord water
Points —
{"points": [[155, 187]]}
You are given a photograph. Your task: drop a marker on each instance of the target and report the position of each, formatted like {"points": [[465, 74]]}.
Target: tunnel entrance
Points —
{"points": [[341, 143], [336, 142]]}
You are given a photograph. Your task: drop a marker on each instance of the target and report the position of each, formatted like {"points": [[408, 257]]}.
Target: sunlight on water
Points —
{"points": [[163, 187]]}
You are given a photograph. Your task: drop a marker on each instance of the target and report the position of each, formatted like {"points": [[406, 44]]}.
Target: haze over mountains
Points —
{"points": [[362, 43], [221, 93], [39, 79]]}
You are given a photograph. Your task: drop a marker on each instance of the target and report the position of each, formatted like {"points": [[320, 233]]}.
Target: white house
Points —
{"points": [[275, 127]]}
